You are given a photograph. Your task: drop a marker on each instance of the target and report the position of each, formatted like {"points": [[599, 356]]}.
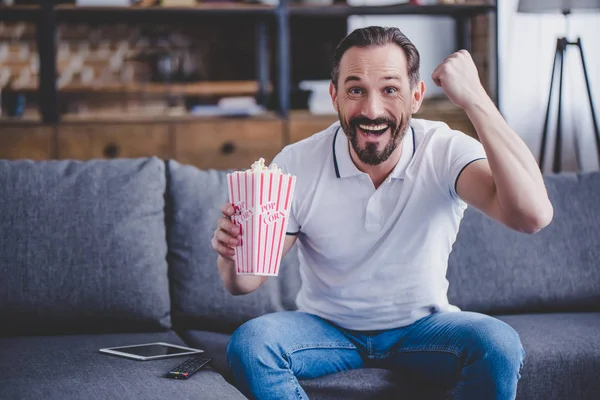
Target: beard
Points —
{"points": [[370, 154]]}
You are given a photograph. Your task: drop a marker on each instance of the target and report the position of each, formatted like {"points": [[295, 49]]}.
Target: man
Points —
{"points": [[378, 202]]}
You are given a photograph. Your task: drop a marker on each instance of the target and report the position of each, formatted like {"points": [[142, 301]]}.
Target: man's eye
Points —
{"points": [[355, 91], [391, 90]]}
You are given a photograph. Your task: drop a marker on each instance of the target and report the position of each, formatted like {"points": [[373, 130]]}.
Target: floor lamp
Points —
{"points": [[564, 7]]}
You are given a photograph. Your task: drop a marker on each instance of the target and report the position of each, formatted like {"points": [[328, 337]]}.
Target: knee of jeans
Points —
{"points": [[250, 339], [498, 343]]}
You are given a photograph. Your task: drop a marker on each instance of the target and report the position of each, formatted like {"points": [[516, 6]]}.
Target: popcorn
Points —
{"points": [[262, 199], [259, 165]]}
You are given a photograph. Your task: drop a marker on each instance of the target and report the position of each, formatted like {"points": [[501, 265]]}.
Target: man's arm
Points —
{"points": [[508, 186]]}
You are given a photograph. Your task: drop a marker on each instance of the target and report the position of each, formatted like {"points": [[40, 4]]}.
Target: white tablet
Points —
{"points": [[151, 351]]}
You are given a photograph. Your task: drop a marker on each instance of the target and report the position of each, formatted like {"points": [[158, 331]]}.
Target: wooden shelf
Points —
{"points": [[73, 13], [343, 10], [134, 119], [215, 88], [198, 8], [32, 121], [67, 13], [432, 108]]}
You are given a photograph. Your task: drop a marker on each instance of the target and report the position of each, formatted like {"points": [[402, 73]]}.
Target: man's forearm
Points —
{"points": [[237, 284], [520, 187]]}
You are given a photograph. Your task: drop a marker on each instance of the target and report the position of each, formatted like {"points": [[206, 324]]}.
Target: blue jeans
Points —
{"points": [[473, 355]]}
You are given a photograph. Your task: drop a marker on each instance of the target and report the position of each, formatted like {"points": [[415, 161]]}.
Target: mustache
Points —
{"points": [[358, 120]]}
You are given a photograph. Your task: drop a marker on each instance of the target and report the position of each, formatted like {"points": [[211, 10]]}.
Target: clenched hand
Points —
{"points": [[459, 78]]}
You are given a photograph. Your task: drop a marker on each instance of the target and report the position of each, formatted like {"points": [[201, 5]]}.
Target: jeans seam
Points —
{"points": [[458, 390], [443, 349], [289, 352], [459, 385], [295, 383]]}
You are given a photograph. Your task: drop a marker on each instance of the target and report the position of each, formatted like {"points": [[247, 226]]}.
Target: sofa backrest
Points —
{"points": [[493, 269], [82, 246], [199, 299]]}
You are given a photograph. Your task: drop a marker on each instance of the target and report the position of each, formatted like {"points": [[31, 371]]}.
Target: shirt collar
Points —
{"points": [[344, 167]]}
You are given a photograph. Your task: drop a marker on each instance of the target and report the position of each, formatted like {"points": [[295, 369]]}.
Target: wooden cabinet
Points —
{"points": [[218, 143], [84, 141], [27, 141], [302, 124], [227, 143], [443, 110]]}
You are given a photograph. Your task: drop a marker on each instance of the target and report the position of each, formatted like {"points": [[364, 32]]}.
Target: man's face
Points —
{"points": [[374, 100]]}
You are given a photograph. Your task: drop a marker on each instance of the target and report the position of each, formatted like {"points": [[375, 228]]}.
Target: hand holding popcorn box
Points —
{"points": [[262, 198]]}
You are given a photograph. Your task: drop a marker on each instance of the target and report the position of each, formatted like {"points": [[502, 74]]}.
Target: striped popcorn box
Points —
{"points": [[262, 198]]}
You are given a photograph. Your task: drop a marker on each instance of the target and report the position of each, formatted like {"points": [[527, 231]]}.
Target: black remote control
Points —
{"points": [[188, 367]]}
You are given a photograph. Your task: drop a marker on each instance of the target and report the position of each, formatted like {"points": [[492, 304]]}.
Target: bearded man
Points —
{"points": [[377, 206]]}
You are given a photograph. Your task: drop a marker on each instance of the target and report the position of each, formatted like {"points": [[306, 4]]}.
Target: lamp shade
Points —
{"points": [[557, 6]]}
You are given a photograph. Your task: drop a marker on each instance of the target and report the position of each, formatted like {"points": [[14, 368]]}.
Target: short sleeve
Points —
{"points": [[462, 151], [283, 162]]}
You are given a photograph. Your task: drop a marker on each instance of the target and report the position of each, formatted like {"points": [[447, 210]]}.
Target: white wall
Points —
{"points": [[434, 37], [527, 43]]}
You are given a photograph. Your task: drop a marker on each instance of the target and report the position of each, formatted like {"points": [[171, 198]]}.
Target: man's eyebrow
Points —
{"points": [[352, 78]]}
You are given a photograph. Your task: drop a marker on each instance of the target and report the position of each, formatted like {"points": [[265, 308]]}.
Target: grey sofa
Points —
{"points": [[107, 253]]}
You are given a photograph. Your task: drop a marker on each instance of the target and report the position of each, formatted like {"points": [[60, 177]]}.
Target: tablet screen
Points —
{"points": [[152, 350]]}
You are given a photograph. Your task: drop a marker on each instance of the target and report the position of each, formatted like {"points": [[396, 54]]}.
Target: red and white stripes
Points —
{"points": [[262, 200]]}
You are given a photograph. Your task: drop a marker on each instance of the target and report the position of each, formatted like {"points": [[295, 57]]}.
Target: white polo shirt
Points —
{"points": [[376, 259]]}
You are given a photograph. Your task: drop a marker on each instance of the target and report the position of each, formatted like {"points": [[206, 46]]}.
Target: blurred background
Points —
{"points": [[216, 84]]}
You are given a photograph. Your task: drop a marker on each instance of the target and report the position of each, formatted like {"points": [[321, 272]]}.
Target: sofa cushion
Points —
{"points": [[200, 301], [562, 358], [562, 361], [83, 246], [493, 269], [215, 346], [367, 383], [70, 367]]}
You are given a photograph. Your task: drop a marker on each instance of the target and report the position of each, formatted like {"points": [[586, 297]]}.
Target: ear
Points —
{"points": [[417, 96], [333, 94]]}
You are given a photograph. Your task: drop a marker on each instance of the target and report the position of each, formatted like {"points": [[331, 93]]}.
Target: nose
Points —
{"points": [[373, 107]]}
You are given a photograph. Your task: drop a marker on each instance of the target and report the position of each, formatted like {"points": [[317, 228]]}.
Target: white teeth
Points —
{"points": [[373, 127]]}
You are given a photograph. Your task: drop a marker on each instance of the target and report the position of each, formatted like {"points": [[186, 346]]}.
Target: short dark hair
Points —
{"points": [[377, 36]]}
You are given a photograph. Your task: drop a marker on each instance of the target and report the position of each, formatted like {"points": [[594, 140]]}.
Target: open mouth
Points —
{"points": [[373, 130]]}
